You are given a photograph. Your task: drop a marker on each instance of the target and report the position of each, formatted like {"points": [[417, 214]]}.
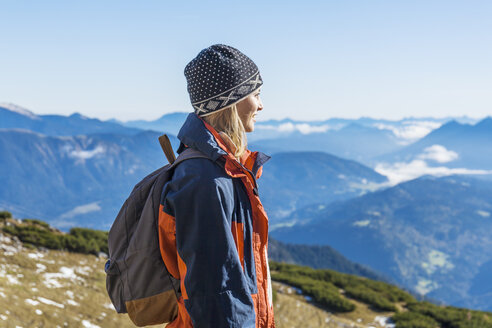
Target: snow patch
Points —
{"points": [[5, 239], [86, 154], [9, 250], [50, 279], [484, 214], [85, 270], [38, 312], [3, 317], [19, 110], [425, 286], [362, 223], [50, 302], [88, 324], [12, 280], [35, 256], [437, 260], [72, 302], [374, 213], [109, 306], [40, 267], [385, 322], [31, 302], [82, 209]]}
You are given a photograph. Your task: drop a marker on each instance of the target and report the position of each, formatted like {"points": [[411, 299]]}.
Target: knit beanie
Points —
{"points": [[220, 76]]}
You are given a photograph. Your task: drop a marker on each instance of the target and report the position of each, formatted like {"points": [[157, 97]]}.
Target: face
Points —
{"points": [[247, 109]]}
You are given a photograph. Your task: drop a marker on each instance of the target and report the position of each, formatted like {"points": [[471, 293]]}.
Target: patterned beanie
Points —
{"points": [[220, 76]]}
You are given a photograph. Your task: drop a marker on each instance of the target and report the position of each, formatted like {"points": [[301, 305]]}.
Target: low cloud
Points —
{"points": [[410, 131], [439, 154], [303, 128], [403, 171]]}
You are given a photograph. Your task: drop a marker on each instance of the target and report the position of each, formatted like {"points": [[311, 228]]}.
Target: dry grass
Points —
{"points": [[293, 311], [29, 298]]}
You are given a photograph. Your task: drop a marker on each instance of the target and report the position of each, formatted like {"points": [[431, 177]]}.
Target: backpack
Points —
{"points": [[137, 281]]}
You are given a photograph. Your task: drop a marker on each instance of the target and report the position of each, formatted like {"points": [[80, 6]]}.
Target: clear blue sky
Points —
{"points": [[319, 59]]}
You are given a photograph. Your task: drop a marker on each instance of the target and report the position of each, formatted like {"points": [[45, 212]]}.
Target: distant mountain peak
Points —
{"points": [[80, 116], [486, 122], [452, 123], [19, 110]]}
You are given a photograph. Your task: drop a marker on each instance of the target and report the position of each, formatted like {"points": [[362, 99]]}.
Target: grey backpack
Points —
{"points": [[137, 281]]}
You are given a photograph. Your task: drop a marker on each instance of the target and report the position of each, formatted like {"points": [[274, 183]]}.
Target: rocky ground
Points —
{"points": [[293, 310], [43, 288]]}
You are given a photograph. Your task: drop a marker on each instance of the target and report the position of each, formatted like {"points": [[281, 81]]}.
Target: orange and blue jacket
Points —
{"points": [[213, 235]]}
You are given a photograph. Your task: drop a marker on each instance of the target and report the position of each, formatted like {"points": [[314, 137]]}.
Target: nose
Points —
{"points": [[260, 104]]}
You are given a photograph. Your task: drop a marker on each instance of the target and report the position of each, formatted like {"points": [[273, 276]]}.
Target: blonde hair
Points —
{"points": [[227, 120]]}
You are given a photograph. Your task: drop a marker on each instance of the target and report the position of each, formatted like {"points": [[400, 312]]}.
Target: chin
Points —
{"points": [[249, 127]]}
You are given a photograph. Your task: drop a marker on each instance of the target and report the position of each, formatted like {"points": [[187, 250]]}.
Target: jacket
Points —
{"points": [[213, 235]]}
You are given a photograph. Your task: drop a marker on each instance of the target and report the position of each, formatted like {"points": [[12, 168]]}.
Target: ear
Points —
{"points": [[228, 142]]}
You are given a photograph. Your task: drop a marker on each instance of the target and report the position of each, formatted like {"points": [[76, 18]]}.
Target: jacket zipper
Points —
{"points": [[255, 188]]}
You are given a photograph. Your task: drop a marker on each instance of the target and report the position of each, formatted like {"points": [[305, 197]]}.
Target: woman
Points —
{"points": [[213, 230]]}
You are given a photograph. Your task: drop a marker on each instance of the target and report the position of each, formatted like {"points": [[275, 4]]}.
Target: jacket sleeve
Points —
{"points": [[213, 284]]}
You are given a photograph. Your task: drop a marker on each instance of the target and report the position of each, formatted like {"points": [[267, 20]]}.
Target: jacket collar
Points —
{"points": [[194, 134], [197, 134]]}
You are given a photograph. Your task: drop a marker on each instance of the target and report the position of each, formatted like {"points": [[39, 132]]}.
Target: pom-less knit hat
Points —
{"points": [[220, 76]]}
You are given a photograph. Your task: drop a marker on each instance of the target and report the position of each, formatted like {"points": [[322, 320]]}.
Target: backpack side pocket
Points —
{"points": [[114, 285]]}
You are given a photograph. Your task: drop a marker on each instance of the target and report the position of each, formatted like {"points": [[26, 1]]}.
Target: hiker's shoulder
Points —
{"points": [[199, 170]]}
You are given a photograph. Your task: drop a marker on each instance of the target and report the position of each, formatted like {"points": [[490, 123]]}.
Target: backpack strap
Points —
{"points": [[188, 153], [167, 148]]}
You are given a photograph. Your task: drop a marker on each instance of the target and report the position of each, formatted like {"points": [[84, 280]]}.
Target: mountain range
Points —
{"points": [[461, 146], [73, 179], [295, 179], [430, 234], [318, 257], [16, 117], [345, 143], [83, 180], [348, 184]]}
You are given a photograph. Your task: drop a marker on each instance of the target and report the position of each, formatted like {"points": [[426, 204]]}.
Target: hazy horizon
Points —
{"points": [[464, 116]]}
